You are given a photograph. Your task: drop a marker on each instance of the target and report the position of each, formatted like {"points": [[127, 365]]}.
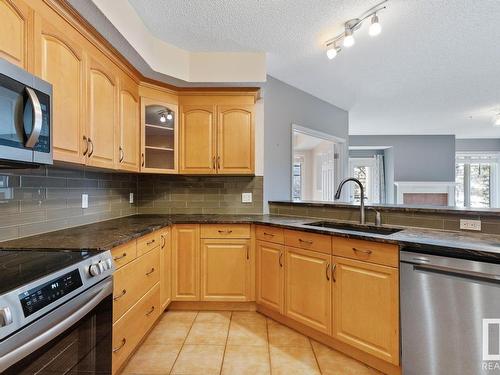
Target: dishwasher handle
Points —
{"points": [[457, 272]]}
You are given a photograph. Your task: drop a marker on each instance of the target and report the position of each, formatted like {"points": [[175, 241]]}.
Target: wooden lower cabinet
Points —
{"points": [[186, 262], [270, 275], [165, 268], [129, 330], [367, 307], [225, 270], [308, 288]]}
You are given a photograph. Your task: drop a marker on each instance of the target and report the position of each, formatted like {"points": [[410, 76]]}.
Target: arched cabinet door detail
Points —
{"points": [[16, 22]]}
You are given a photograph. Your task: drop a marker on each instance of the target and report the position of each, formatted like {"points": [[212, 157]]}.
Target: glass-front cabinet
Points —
{"points": [[158, 136]]}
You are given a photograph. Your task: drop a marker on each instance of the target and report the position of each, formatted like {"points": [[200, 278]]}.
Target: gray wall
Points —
{"points": [[284, 105], [478, 144], [416, 157]]}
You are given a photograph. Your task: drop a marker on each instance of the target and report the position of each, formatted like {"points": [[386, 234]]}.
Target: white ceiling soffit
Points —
{"points": [[166, 58], [434, 66]]}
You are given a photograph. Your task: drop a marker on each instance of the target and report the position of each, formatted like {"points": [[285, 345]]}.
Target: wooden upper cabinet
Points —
{"points": [[235, 139], [102, 121], [366, 306], [197, 139], [270, 273], [308, 288], [186, 262], [129, 126], [16, 19], [60, 61]]}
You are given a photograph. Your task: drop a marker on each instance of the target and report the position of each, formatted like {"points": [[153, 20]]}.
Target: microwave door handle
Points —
{"points": [[37, 118], [29, 347]]}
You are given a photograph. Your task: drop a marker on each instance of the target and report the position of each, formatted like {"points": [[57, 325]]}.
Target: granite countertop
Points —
{"points": [[108, 234]]}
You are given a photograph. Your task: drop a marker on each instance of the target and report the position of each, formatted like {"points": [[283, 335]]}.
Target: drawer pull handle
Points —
{"points": [[150, 311], [120, 257], [367, 252], [281, 257], [334, 268], [248, 254], [162, 244], [225, 231], [150, 272], [150, 242], [124, 341], [124, 291], [305, 241], [269, 234], [326, 271]]}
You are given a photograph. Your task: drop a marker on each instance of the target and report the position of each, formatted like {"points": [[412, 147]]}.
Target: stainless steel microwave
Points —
{"points": [[25, 118]]}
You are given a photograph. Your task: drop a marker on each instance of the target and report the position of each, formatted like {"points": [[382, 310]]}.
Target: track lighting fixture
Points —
{"points": [[163, 118], [347, 37], [169, 115], [497, 120], [166, 115]]}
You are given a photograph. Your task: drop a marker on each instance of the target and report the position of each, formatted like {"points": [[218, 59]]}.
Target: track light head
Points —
{"points": [[170, 116], [163, 118], [497, 120], [375, 27], [332, 51], [349, 40]]}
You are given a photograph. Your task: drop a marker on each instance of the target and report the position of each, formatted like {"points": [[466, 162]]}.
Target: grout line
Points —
{"points": [[314, 354], [183, 343], [225, 344], [268, 346]]}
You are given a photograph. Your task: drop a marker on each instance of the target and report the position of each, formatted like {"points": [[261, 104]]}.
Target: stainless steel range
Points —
{"points": [[55, 312]]}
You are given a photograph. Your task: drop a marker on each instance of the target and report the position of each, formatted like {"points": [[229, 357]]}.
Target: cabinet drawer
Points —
{"points": [[147, 243], [309, 241], [124, 254], [132, 281], [225, 231], [369, 251], [270, 234], [131, 328]]}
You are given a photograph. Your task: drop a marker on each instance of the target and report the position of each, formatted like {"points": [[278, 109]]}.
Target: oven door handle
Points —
{"points": [[37, 118], [29, 347]]}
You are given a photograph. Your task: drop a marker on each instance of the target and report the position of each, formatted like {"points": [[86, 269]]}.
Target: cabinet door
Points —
{"points": [[102, 112], [270, 283], [165, 268], [129, 133], [308, 288], [59, 60], [366, 307], [235, 140], [197, 135], [186, 262], [225, 270], [16, 20]]}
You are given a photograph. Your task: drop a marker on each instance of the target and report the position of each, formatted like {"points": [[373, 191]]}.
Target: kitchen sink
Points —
{"points": [[384, 231]]}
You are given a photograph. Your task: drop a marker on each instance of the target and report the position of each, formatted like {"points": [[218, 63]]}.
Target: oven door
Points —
{"points": [[75, 338]]}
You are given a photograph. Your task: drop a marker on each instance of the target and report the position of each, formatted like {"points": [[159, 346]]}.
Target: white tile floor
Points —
{"points": [[235, 343]]}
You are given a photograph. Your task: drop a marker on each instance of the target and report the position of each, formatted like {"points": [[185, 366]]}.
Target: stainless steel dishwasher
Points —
{"points": [[450, 315]]}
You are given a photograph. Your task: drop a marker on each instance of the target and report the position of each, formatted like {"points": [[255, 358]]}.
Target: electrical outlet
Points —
{"points": [[246, 197], [85, 201], [131, 198], [470, 224]]}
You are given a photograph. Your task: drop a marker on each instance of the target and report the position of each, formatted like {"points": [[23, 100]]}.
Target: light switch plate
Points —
{"points": [[131, 198], [470, 224], [246, 197], [85, 201]]}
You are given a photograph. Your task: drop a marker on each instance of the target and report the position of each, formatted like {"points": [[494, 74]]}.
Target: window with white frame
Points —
{"points": [[476, 176], [363, 169]]}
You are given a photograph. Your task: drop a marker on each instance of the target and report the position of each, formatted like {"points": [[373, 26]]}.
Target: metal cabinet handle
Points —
{"points": [[218, 162], [120, 257], [269, 234], [248, 254], [229, 231], [142, 157], [150, 311], [86, 145], [213, 163], [334, 268], [124, 291], [367, 252], [91, 147], [37, 118], [124, 341], [305, 241], [122, 154], [150, 272], [163, 241], [326, 271], [281, 257], [150, 242]]}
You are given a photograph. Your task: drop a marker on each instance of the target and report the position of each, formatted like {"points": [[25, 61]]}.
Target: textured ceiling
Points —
{"points": [[435, 69]]}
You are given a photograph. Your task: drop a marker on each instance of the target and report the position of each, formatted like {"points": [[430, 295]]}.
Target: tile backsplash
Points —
{"points": [[169, 194], [41, 200]]}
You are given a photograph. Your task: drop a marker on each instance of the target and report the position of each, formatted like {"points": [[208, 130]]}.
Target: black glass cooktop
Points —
{"points": [[19, 267]]}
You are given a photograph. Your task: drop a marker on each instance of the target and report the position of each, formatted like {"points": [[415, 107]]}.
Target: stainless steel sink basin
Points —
{"points": [[384, 231]]}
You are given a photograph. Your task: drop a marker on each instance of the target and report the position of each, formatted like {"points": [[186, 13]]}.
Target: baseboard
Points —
{"points": [[377, 363], [212, 305]]}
